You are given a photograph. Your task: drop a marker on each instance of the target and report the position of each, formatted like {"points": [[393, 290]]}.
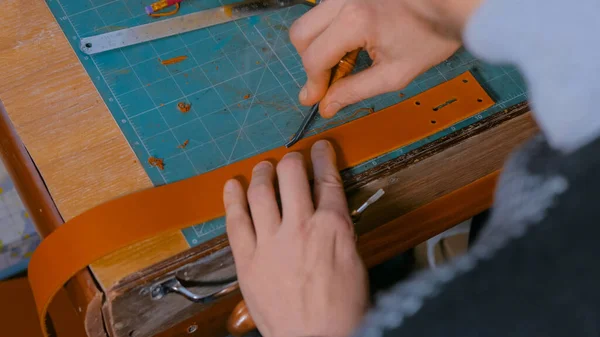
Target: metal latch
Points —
{"points": [[177, 286]]}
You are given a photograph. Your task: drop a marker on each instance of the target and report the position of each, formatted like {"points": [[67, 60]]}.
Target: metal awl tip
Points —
{"points": [[305, 123]]}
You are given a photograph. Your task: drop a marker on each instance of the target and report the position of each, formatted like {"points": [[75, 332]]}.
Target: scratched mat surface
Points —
{"points": [[242, 81]]}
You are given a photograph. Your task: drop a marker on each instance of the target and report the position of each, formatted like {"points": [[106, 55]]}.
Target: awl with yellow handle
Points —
{"points": [[240, 322], [341, 70], [183, 24]]}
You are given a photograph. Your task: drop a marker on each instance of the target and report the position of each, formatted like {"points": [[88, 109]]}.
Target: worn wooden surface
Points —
{"points": [[436, 169], [134, 310], [412, 226], [69, 132]]}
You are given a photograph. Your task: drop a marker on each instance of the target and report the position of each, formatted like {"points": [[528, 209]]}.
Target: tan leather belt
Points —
{"points": [[133, 218]]}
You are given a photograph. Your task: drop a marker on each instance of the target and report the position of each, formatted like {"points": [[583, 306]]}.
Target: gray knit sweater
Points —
{"points": [[534, 270]]}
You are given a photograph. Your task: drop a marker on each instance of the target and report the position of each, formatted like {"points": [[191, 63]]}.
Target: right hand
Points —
{"points": [[298, 267], [404, 38]]}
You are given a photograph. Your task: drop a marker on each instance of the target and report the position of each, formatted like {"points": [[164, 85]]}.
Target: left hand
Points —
{"points": [[298, 269]]}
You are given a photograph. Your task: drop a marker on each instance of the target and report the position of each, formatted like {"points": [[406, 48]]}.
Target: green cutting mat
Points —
{"points": [[242, 80]]}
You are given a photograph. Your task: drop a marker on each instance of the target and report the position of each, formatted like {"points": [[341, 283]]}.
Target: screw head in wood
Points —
{"points": [[192, 328]]}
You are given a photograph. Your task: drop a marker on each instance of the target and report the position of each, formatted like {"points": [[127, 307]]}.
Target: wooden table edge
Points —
{"points": [[82, 289], [60, 117]]}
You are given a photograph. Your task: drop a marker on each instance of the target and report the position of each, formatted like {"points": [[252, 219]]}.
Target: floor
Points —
{"points": [[18, 237]]}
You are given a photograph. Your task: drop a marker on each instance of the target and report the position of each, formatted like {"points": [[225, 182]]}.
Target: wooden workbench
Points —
{"points": [[69, 132], [84, 160]]}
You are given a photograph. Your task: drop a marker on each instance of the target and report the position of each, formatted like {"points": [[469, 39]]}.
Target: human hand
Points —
{"points": [[298, 269], [404, 38]]}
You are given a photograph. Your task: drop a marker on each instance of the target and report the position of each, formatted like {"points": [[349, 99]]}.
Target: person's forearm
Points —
{"points": [[554, 45]]}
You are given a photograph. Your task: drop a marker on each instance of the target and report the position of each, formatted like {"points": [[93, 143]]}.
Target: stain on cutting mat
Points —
{"points": [[184, 107], [184, 144], [156, 162], [173, 60]]}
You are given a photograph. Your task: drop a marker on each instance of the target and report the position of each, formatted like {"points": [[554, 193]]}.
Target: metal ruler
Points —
{"points": [[182, 24]]}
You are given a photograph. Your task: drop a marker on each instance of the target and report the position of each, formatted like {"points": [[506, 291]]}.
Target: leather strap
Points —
{"points": [[139, 216]]}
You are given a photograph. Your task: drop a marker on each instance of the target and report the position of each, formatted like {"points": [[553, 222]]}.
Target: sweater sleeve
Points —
{"points": [[554, 43]]}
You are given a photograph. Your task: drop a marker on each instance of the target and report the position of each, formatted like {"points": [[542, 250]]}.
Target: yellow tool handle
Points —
{"points": [[240, 322], [345, 66]]}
